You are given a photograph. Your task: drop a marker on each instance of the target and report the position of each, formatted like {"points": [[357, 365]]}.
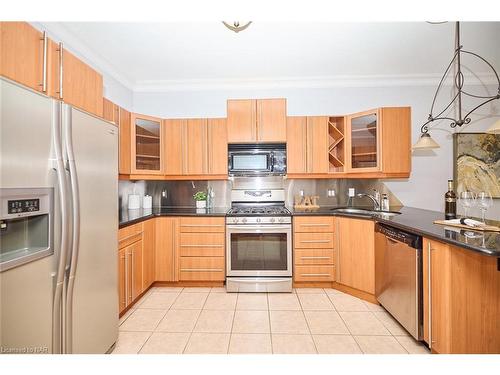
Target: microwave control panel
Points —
{"points": [[23, 205]]}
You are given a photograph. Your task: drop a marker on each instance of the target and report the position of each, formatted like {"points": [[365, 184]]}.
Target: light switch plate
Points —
{"points": [[352, 192]]}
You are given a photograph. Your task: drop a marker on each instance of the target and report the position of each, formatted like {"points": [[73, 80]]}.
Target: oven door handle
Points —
{"points": [[246, 228]]}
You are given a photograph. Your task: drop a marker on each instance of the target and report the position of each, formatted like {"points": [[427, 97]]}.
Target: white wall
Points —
{"points": [[430, 170]]}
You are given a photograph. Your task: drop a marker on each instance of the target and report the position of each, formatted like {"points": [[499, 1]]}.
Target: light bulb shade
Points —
{"points": [[495, 128], [425, 143]]}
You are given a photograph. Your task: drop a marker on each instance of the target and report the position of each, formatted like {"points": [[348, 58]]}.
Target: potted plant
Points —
{"points": [[201, 199]]}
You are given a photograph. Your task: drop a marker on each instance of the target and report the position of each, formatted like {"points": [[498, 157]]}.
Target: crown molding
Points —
{"points": [[60, 32], [307, 82], [73, 43]]}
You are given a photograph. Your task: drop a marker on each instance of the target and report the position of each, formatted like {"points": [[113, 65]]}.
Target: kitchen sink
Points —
{"points": [[362, 211]]}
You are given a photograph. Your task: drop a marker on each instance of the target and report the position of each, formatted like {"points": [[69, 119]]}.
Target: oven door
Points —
{"points": [[259, 250], [250, 163]]}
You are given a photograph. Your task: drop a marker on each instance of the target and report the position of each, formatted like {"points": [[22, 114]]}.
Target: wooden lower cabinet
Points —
{"points": [[461, 300], [313, 245], [130, 273], [148, 255], [355, 247], [122, 280], [166, 254]]}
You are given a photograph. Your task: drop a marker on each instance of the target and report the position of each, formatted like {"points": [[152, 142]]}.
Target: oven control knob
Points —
{"points": [[244, 220], [272, 220], [280, 219], [258, 220], [235, 220]]}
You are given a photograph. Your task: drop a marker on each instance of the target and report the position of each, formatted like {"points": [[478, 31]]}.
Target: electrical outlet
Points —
{"points": [[352, 192], [330, 193]]}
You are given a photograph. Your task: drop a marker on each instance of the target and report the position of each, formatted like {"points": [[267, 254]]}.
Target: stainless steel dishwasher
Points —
{"points": [[398, 276]]}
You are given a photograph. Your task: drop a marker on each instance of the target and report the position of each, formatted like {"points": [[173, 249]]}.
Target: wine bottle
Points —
{"points": [[450, 202]]}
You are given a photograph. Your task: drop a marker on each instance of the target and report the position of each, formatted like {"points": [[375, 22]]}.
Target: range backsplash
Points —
{"points": [[180, 193]]}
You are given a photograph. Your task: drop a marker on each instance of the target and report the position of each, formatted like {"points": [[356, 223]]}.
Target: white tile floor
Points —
{"points": [[211, 321]]}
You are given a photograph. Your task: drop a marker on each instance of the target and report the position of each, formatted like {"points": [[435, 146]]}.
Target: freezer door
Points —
{"points": [[26, 291], [95, 297]]}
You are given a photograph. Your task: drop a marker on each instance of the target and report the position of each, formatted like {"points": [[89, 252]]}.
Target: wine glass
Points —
{"points": [[467, 200], [484, 201]]}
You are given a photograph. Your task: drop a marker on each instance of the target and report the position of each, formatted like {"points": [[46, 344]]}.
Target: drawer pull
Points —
{"points": [[201, 270], [315, 241], [314, 257], [128, 237], [315, 225], [202, 245], [201, 225], [315, 274]]}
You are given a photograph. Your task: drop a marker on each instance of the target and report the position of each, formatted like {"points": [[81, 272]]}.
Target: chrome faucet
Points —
{"points": [[375, 198]]}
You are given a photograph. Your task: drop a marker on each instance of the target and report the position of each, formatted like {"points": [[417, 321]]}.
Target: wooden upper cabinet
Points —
{"points": [[307, 145], [82, 86], [217, 146], [363, 142], [196, 147], [241, 117], [175, 155], [296, 144], [110, 111], [271, 120], [22, 54], [125, 141], [396, 140], [317, 144], [261, 120], [356, 253], [147, 144]]}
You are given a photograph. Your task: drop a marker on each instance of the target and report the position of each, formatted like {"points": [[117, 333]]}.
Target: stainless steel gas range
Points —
{"points": [[259, 237]]}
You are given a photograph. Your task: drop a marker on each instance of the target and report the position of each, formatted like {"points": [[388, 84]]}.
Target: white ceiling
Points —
{"points": [[156, 55]]}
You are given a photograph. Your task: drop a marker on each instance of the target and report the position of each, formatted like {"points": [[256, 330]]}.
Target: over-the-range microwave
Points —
{"points": [[257, 159]]}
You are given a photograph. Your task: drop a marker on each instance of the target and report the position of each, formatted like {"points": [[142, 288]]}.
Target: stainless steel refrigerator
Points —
{"points": [[58, 226]]}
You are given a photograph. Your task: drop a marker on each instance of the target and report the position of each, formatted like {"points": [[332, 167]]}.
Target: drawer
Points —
{"points": [[313, 240], [207, 245], [129, 235], [314, 273], [202, 268], [202, 225], [313, 224], [314, 256]]}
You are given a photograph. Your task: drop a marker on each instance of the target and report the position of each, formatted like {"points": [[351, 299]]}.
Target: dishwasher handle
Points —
{"points": [[395, 234]]}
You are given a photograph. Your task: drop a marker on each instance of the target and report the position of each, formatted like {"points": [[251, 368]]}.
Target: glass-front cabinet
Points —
{"points": [[364, 146], [146, 145]]}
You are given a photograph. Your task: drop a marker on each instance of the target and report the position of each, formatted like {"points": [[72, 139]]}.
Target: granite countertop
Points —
{"points": [[129, 217], [413, 220], [419, 221]]}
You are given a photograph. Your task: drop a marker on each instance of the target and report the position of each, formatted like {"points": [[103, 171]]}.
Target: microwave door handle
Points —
{"points": [[271, 162]]}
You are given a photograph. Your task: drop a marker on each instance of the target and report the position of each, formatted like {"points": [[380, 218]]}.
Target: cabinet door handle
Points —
{"points": [[44, 62], [132, 275], [124, 302], [312, 257], [202, 245], [201, 225], [131, 236], [429, 280], [126, 277], [61, 70]]}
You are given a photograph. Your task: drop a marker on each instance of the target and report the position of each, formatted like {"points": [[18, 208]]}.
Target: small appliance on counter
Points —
{"points": [[147, 202], [134, 201]]}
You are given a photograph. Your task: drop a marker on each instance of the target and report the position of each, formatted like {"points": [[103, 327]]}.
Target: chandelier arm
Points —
{"points": [[478, 96], [449, 105], [424, 128], [479, 106], [442, 80]]}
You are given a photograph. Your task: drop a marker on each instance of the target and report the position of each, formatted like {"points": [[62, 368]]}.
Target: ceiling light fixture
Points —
{"points": [[425, 141], [236, 26]]}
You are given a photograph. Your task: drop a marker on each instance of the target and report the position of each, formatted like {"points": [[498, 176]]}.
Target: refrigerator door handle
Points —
{"points": [[61, 266], [75, 219]]}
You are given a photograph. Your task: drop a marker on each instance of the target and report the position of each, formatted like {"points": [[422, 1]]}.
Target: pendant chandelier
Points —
{"points": [[426, 141]]}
